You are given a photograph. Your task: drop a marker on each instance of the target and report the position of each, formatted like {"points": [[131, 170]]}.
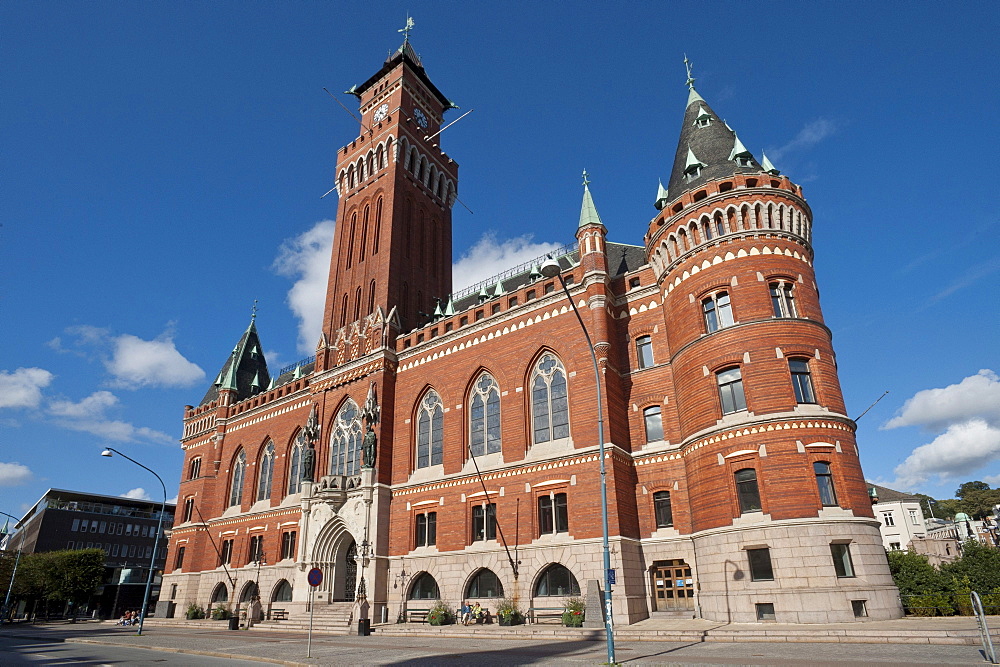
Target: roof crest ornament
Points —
{"points": [[586, 180], [407, 28], [253, 312], [687, 66]]}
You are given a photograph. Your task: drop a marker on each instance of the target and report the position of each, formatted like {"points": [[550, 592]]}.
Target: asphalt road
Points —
{"points": [[429, 651]]}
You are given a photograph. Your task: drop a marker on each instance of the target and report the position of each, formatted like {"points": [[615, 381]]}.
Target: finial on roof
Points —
{"points": [[687, 66], [449, 310], [767, 166], [253, 311], [588, 212], [661, 197], [498, 290], [407, 28]]}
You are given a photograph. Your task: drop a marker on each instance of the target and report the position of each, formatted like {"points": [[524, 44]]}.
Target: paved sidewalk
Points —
{"points": [[490, 647]]}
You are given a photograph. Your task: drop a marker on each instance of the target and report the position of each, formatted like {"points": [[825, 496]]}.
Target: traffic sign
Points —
{"points": [[315, 576]]}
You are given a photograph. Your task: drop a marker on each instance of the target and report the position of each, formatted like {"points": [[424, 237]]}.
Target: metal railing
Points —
{"points": [[510, 273]]}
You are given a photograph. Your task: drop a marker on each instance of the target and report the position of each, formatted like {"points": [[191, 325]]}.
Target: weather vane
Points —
{"points": [[406, 30], [586, 181], [687, 66], [253, 311]]}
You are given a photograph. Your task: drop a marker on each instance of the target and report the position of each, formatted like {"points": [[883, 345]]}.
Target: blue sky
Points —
{"points": [[163, 165]]}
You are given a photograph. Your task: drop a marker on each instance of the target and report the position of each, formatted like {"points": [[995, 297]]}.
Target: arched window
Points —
{"points": [[430, 429], [378, 226], [236, 485], [283, 593], [350, 239], [371, 297], [194, 469], [295, 466], [364, 235], [801, 381], [249, 592], [345, 442], [484, 416], [824, 480], [484, 585], [549, 405], [220, 593], [718, 311], [556, 581], [782, 299], [266, 474], [425, 588], [357, 304], [343, 310]]}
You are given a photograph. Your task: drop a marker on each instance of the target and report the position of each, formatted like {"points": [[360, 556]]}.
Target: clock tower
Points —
{"points": [[392, 243]]}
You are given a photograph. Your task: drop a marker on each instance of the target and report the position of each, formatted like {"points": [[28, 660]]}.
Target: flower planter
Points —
{"points": [[512, 619]]}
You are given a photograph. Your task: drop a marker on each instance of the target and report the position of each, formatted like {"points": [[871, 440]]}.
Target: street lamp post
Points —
{"points": [[550, 269], [109, 451], [17, 560]]}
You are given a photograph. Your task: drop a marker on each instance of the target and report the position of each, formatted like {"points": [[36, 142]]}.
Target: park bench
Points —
{"points": [[408, 618], [279, 615], [535, 613]]}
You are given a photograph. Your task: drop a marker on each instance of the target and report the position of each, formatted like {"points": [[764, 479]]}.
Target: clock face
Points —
{"points": [[420, 117], [381, 113]]}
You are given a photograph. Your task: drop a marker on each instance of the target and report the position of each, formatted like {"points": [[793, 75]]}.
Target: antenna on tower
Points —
{"points": [[687, 65], [449, 125], [871, 406], [346, 109]]}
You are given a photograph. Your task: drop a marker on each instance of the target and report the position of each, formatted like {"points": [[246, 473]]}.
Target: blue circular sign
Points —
{"points": [[315, 576]]}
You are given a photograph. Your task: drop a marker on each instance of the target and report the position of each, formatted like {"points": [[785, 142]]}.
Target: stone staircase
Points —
{"points": [[672, 613], [328, 619]]}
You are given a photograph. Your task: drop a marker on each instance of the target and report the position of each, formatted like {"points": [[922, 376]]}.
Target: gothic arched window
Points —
{"points": [[557, 581], [549, 405], [236, 484], [345, 442], [266, 474], [430, 428], [425, 588], [295, 467], [485, 584], [378, 226], [484, 416]]}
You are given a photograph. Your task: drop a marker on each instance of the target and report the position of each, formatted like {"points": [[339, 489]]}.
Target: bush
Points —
{"points": [[930, 604], [440, 614], [574, 613], [193, 612], [508, 613], [220, 613]]}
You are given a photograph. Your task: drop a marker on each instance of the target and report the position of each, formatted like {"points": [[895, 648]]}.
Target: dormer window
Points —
{"points": [[743, 161], [703, 119], [692, 172]]}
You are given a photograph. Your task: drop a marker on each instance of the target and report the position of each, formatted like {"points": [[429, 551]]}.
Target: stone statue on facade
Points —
{"points": [[370, 413], [309, 437]]}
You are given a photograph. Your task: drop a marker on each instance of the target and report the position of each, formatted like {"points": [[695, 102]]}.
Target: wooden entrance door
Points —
{"points": [[673, 585]]}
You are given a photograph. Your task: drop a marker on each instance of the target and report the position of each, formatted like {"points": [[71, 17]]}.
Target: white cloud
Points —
{"points": [[489, 256], [306, 259], [172, 501], [23, 387], [810, 135], [975, 397], [958, 452], [13, 474], [151, 363], [137, 494], [89, 416]]}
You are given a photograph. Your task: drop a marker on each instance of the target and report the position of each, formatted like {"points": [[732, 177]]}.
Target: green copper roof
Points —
{"points": [[498, 291], [766, 164], [703, 114], [739, 150], [661, 197], [449, 310], [692, 161], [588, 212], [693, 97]]}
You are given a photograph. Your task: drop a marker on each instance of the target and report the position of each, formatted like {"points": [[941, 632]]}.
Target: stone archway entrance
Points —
{"points": [[673, 585], [335, 554]]}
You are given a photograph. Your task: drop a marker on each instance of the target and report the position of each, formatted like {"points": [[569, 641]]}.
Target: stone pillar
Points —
{"points": [[594, 615]]}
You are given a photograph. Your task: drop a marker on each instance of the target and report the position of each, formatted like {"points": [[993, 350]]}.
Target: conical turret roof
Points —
{"points": [[244, 372], [705, 135], [588, 212]]}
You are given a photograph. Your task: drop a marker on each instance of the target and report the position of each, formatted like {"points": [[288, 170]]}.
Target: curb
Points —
{"points": [[186, 651]]}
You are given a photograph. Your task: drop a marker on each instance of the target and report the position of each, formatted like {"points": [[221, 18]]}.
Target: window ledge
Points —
{"points": [[549, 449], [428, 474], [553, 538], [485, 461], [261, 505]]}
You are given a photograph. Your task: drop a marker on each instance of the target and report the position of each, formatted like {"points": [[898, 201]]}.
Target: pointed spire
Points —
{"points": [[498, 291], [449, 310], [661, 197], [535, 273], [483, 295], [438, 313], [767, 166], [588, 212], [693, 164], [255, 385]]}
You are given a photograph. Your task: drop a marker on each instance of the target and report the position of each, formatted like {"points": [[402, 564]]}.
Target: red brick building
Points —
{"points": [[735, 490]]}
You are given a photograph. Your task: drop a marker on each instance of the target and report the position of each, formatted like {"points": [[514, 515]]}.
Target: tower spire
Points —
{"points": [[588, 212]]}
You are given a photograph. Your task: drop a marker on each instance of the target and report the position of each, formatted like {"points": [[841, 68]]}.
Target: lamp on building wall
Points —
{"points": [[550, 269], [17, 560], [110, 451]]}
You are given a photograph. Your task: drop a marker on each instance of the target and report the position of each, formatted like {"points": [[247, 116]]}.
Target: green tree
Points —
{"points": [[913, 574], [77, 574], [977, 499], [980, 564]]}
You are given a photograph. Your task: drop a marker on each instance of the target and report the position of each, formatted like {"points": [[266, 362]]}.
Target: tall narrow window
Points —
{"points": [[760, 565], [747, 491], [343, 310], [801, 381], [484, 522], [662, 509], [364, 235], [295, 466], [226, 553], [350, 241], [553, 514], [484, 416], [731, 394], [288, 545], [266, 474], [188, 509], [345, 441], [718, 311], [654, 423], [426, 529], [256, 551], [236, 485], [179, 560], [194, 470], [842, 563], [782, 299], [644, 351], [357, 304], [430, 429], [549, 405], [371, 297], [824, 480], [376, 235]]}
